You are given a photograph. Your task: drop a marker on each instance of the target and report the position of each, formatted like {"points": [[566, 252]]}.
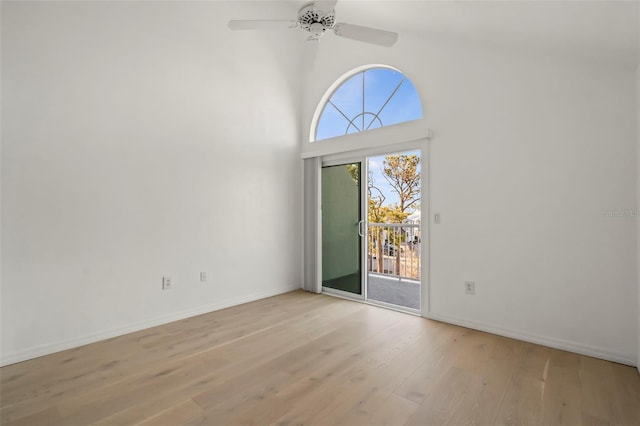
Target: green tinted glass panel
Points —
{"points": [[341, 260]]}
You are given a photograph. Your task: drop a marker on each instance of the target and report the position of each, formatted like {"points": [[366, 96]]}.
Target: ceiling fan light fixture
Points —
{"points": [[318, 17], [314, 21]]}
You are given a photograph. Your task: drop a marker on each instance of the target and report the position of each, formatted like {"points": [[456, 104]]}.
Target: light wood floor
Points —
{"points": [[300, 358]]}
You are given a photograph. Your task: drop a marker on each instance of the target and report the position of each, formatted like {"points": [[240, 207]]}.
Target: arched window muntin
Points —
{"points": [[357, 113]]}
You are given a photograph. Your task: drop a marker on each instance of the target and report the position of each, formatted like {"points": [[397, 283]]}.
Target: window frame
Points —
{"points": [[326, 98]]}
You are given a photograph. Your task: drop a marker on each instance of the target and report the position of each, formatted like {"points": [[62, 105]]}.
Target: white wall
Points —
{"points": [[529, 150], [140, 140], [638, 197]]}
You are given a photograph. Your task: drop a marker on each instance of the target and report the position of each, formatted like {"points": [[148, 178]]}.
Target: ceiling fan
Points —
{"points": [[316, 18]]}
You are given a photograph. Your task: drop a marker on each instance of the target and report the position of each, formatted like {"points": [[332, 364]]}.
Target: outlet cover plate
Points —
{"points": [[166, 283], [470, 287]]}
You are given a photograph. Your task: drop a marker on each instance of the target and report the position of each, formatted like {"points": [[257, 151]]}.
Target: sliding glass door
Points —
{"points": [[394, 230], [342, 228], [371, 229]]}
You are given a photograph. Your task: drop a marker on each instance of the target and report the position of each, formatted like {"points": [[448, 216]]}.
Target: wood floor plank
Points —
{"points": [[561, 400], [179, 414], [261, 412], [491, 367], [45, 417], [393, 410], [438, 359], [456, 395], [522, 404], [216, 373], [598, 383], [628, 388], [122, 372], [301, 358]]}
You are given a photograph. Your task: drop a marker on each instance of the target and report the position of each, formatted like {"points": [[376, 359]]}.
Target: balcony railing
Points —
{"points": [[394, 249]]}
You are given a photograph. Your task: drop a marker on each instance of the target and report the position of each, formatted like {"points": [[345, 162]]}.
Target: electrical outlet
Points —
{"points": [[470, 287], [166, 283], [203, 277]]}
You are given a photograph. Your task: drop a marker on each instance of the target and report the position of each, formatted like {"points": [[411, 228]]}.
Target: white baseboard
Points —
{"points": [[49, 348], [552, 342]]}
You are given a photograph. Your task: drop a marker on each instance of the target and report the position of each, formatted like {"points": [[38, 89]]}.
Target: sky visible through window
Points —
{"points": [[375, 173], [368, 100]]}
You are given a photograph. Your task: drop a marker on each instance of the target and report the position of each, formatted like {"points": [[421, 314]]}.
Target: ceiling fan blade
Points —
{"points": [[309, 55], [241, 25], [366, 34], [325, 6]]}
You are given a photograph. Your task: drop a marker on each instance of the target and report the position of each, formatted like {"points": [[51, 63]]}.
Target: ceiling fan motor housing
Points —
{"points": [[314, 21]]}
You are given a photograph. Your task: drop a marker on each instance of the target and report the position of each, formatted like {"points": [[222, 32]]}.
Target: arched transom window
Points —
{"points": [[369, 99]]}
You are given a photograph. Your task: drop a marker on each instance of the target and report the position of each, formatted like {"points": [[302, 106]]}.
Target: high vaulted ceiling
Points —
{"points": [[608, 30]]}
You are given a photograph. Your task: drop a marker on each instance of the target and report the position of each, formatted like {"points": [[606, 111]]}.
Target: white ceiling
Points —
{"points": [[604, 29]]}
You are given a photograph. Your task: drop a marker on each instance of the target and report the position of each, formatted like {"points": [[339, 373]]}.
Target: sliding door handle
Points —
{"points": [[361, 228]]}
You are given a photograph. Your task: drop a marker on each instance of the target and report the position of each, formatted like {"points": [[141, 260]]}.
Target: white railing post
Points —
{"points": [[395, 242]]}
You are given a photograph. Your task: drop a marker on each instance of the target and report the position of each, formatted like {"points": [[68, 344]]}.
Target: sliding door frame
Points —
{"points": [[361, 156], [338, 161], [404, 137]]}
